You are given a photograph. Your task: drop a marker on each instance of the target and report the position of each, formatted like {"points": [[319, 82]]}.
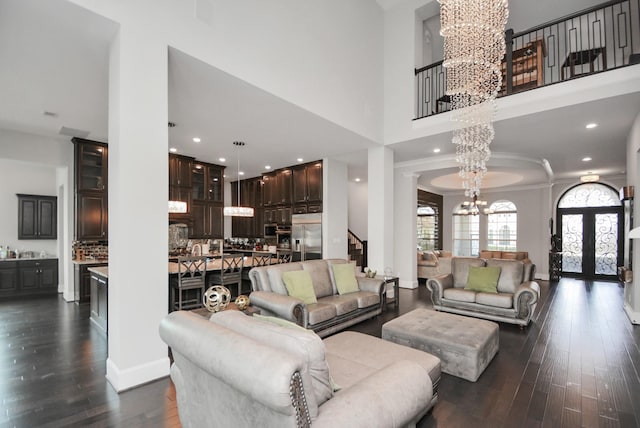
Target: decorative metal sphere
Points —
{"points": [[242, 302], [216, 298]]}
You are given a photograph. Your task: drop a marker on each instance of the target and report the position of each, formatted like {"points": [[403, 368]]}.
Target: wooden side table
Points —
{"points": [[205, 313], [396, 290]]}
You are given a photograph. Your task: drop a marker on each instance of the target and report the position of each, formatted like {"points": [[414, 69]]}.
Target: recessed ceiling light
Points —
{"points": [[241, 173], [586, 159], [357, 180], [436, 150], [198, 166], [300, 160], [173, 150], [267, 167], [50, 113], [222, 159], [196, 140], [591, 125]]}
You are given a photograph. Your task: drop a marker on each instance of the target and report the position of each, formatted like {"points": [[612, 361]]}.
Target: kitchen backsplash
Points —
{"points": [[98, 250]]}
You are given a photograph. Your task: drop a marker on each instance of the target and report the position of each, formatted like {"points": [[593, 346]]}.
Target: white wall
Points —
{"points": [[631, 291], [332, 66], [26, 151], [29, 178], [358, 209], [534, 212]]}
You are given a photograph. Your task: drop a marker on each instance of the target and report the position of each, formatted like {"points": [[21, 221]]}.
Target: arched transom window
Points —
{"points": [[589, 195]]}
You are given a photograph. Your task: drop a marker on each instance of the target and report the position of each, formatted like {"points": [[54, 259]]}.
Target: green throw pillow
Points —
{"points": [[484, 279], [345, 278], [298, 283]]}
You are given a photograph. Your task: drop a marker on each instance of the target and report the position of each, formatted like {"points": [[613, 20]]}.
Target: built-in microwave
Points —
{"points": [[270, 230]]}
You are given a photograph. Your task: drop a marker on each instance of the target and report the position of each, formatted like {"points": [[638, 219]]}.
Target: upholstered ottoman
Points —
{"points": [[464, 345]]}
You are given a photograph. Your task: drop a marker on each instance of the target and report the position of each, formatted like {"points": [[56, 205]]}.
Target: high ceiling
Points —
{"points": [[55, 59]]}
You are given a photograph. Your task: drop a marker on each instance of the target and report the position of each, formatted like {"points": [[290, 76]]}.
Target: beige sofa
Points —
{"points": [[240, 371], [333, 312], [514, 302], [433, 263]]}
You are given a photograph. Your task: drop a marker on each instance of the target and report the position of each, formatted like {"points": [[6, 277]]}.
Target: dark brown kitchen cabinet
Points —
{"points": [[284, 186], [91, 216], [37, 217], [82, 281], [207, 182], [37, 276], [208, 220], [307, 188], [91, 169], [28, 277], [91, 189], [99, 301], [8, 278], [180, 170], [269, 189]]}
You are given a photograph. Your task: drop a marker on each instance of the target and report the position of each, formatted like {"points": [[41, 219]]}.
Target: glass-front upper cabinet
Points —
{"points": [[91, 165], [215, 183], [198, 181]]}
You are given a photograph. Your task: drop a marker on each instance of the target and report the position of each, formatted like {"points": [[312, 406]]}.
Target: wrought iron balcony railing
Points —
{"points": [[601, 38]]}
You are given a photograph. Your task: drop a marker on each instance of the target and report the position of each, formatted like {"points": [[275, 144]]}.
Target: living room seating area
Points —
{"points": [[495, 289], [251, 371]]}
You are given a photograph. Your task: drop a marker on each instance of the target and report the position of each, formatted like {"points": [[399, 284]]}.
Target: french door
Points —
{"points": [[592, 245]]}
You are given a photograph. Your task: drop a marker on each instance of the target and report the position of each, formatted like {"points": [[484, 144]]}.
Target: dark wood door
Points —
{"points": [[299, 194], [8, 279], [91, 165], [91, 221], [215, 183], [28, 278], [216, 220], [47, 218], [284, 185], [27, 217], [180, 170], [268, 189], [314, 182], [49, 275]]}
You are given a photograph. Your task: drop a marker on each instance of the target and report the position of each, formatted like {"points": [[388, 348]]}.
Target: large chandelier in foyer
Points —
{"points": [[474, 46]]}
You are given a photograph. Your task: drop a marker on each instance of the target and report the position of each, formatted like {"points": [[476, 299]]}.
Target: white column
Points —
{"points": [[138, 217], [405, 233], [380, 229], [335, 219]]}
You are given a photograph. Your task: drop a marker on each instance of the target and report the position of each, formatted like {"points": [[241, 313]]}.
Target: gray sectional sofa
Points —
{"points": [[514, 302], [235, 370], [333, 311]]}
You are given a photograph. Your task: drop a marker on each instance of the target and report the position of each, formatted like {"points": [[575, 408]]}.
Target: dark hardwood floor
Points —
{"points": [[577, 365]]}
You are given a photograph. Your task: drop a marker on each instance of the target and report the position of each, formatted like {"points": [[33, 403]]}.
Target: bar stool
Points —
{"points": [[230, 272], [186, 292]]}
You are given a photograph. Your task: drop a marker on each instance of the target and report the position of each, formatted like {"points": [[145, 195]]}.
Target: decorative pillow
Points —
{"points": [[483, 279], [298, 283], [345, 278]]}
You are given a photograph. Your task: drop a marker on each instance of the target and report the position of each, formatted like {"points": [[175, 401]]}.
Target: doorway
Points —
{"points": [[590, 225]]}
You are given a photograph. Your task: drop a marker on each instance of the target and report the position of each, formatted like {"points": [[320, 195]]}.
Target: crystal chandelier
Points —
{"points": [[238, 210], [474, 46]]}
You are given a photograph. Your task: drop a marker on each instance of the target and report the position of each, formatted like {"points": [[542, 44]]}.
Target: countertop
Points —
{"points": [[90, 262], [103, 271], [29, 259]]}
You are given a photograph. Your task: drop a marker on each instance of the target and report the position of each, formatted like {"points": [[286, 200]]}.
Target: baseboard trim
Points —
{"points": [[122, 380], [542, 276], [408, 284], [634, 316]]}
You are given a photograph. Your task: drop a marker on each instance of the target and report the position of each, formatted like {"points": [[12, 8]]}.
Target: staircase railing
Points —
{"points": [[357, 249], [601, 38]]}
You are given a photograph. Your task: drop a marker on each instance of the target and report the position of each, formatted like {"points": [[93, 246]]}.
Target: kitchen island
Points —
{"points": [[99, 297]]}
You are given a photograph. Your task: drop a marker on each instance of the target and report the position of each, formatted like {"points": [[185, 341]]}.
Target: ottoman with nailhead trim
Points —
{"points": [[464, 345]]}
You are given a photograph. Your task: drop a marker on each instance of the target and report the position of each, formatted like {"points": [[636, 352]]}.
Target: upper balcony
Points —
{"points": [[595, 40]]}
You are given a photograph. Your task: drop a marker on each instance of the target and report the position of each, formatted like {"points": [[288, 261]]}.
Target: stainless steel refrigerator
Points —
{"points": [[306, 236]]}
